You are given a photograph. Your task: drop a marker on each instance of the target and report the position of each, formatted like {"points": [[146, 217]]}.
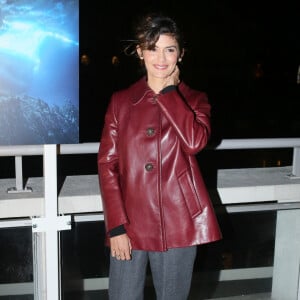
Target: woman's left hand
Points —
{"points": [[120, 247]]}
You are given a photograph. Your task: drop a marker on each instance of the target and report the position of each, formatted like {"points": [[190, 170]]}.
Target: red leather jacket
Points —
{"points": [[149, 177]]}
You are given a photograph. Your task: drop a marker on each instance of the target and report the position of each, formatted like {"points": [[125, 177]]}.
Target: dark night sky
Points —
{"points": [[226, 40]]}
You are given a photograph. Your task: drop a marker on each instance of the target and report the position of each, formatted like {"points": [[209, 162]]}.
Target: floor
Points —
{"points": [[255, 289], [235, 290]]}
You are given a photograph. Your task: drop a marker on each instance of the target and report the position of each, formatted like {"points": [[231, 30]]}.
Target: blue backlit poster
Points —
{"points": [[39, 72]]}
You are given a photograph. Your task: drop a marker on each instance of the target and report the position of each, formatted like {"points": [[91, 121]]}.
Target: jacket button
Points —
{"points": [[154, 99], [150, 131], [149, 167]]}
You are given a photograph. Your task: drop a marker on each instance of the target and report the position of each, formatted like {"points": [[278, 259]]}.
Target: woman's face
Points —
{"points": [[161, 61]]}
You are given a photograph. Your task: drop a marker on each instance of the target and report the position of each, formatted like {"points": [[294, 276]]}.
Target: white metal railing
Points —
{"points": [[264, 144], [85, 148], [24, 150]]}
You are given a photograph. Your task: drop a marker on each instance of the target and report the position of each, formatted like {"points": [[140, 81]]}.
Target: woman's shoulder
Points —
{"points": [[129, 88], [191, 92], [133, 92]]}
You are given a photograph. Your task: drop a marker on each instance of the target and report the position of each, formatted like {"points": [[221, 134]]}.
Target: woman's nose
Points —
{"points": [[161, 56]]}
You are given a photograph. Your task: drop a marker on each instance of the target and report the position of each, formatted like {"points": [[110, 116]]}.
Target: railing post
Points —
{"points": [[296, 162], [285, 283], [19, 188], [47, 233]]}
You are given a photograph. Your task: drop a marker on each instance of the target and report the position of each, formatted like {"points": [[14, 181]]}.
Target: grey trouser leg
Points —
{"points": [[127, 277], [172, 272]]}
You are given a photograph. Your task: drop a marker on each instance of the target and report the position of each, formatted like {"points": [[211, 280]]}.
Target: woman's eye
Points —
{"points": [[171, 50]]}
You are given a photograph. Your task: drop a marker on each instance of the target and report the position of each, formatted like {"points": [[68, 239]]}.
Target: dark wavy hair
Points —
{"points": [[149, 28]]}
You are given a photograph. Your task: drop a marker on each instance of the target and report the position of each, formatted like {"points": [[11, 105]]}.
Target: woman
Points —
{"points": [[155, 202]]}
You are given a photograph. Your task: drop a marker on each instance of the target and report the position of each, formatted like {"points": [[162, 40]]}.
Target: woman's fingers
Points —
{"points": [[121, 247]]}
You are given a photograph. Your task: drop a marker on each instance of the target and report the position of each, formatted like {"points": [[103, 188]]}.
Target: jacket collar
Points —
{"points": [[140, 89]]}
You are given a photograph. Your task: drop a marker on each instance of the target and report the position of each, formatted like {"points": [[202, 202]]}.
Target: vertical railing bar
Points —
{"points": [[296, 162], [19, 188], [19, 173]]}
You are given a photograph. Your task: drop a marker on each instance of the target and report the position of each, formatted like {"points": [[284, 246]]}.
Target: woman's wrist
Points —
{"points": [[117, 231]]}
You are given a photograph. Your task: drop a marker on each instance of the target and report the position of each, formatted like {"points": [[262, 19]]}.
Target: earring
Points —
{"points": [[179, 59], [141, 57]]}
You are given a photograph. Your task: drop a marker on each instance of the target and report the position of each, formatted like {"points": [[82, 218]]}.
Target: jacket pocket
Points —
{"points": [[189, 193]]}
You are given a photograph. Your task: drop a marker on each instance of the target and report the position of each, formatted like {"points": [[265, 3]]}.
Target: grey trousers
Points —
{"points": [[171, 271]]}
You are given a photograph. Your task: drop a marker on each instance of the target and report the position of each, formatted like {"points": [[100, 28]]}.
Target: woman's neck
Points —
{"points": [[155, 84]]}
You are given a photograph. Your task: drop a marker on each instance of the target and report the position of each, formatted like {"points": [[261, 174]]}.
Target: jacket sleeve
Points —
{"points": [[189, 116], [108, 172]]}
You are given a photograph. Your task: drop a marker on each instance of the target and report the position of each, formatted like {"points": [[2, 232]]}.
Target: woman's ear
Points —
{"points": [[181, 55], [139, 52]]}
